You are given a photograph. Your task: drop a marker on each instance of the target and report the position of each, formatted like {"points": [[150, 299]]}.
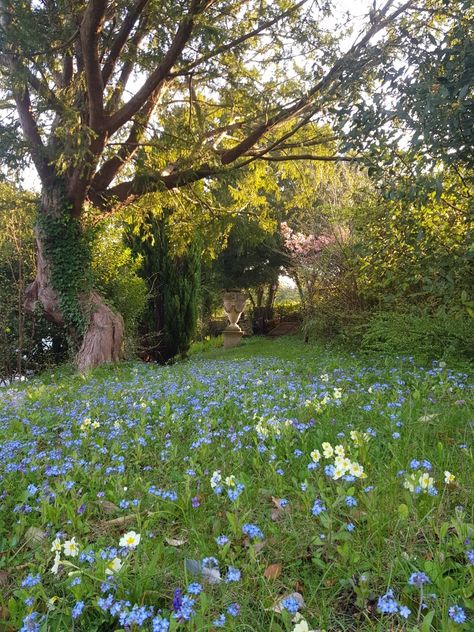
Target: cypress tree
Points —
{"points": [[173, 281]]}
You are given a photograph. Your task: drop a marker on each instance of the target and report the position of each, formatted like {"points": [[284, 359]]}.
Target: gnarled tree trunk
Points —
{"points": [[102, 337]]}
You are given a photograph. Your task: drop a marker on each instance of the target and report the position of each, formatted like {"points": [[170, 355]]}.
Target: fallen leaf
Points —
{"points": [[427, 418], [107, 507], [209, 575], [35, 536], [278, 511], [175, 542], [278, 607], [299, 586], [273, 571]]}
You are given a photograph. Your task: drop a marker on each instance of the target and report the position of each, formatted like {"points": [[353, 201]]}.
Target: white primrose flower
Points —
{"points": [[357, 470], [71, 548], [216, 478], [55, 566], [449, 478], [114, 566], [130, 540]]}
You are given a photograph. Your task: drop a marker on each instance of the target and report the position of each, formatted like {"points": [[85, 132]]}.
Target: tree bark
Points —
{"points": [[102, 338]]}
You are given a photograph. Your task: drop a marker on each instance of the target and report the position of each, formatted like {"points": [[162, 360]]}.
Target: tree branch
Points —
{"points": [[125, 192], [112, 167], [126, 71], [32, 135], [239, 40], [305, 102], [307, 157], [157, 77], [121, 39], [91, 26]]}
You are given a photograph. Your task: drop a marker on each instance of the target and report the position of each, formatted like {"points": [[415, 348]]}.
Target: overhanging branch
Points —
{"points": [[158, 76], [91, 26], [121, 39]]}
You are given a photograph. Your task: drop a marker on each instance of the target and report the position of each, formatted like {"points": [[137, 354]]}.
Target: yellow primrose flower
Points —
{"points": [[448, 477], [327, 450], [339, 450], [359, 437], [343, 462], [338, 472], [114, 566], [95, 424], [302, 626], [356, 438], [71, 548], [426, 481], [316, 455], [56, 545], [130, 540], [51, 603], [337, 394], [409, 485], [230, 481], [357, 470]]}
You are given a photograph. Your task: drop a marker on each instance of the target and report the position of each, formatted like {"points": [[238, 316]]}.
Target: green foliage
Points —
{"points": [[180, 282], [415, 252], [27, 343], [252, 257], [290, 309], [172, 277], [445, 333], [115, 273], [67, 248]]}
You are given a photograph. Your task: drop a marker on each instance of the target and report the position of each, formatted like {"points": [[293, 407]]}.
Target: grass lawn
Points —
{"points": [[277, 486]]}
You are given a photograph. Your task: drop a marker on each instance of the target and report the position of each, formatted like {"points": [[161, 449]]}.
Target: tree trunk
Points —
{"points": [[272, 290], [259, 298], [102, 335]]}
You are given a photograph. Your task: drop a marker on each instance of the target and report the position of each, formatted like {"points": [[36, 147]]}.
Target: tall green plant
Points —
{"points": [[173, 282]]}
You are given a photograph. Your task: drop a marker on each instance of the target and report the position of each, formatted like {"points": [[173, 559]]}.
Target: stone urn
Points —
{"points": [[234, 304]]}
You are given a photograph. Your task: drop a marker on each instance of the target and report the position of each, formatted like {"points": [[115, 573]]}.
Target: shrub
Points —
{"points": [[419, 333]]}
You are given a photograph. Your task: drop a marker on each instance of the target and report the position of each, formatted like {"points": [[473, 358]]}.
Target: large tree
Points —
{"points": [[96, 83]]}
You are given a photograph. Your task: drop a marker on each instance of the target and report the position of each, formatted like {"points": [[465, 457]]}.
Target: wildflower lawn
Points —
{"points": [[273, 487]]}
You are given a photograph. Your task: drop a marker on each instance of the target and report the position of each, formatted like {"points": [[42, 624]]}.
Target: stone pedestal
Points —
{"points": [[234, 304], [232, 338]]}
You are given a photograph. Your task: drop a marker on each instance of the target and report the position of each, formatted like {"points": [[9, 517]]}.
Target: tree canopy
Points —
{"points": [[122, 98]]}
